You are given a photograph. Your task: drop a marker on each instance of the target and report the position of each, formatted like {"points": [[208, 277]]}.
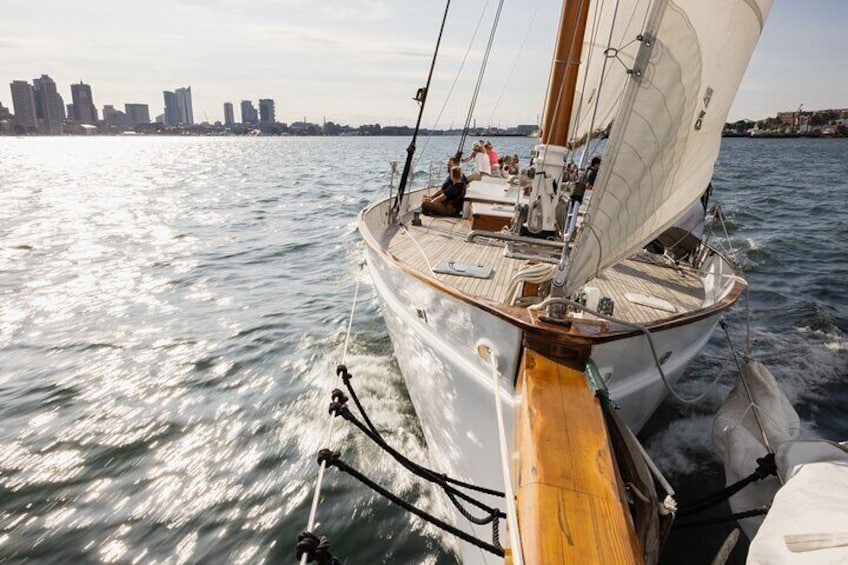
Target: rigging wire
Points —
{"points": [[455, 80], [480, 78], [515, 61], [421, 98]]}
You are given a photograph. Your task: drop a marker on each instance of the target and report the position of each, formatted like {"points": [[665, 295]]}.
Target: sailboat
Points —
{"points": [[531, 362]]}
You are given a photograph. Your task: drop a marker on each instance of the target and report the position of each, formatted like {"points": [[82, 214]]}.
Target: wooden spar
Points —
{"points": [[566, 63], [571, 506]]}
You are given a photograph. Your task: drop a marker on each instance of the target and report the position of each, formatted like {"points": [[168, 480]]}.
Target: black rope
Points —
{"points": [[421, 98], [766, 467], [479, 80], [315, 548], [338, 407], [331, 459], [342, 371], [722, 519]]}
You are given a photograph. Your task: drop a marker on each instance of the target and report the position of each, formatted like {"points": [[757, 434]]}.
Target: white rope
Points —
{"points": [[310, 526], [536, 274], [424, 255], [511, 516], [548, 301]]}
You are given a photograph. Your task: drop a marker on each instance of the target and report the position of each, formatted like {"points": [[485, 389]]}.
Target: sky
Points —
{"points": [[360, 61]]}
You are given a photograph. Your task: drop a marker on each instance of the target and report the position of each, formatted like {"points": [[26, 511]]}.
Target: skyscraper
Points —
{"points": [[184, 105], [248, 112], [172, 113], [229, 116], [178, 109], [23, 101], [50, 105], [84, 110], [137, 114], [266, 111]]}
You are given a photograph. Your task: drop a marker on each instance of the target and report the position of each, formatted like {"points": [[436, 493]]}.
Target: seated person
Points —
{"points": [[449, 202], [452, 162], [482, 165]]}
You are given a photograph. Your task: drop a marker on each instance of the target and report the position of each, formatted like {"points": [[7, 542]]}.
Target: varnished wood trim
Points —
{"points": [[570, 502], [530, 323]]}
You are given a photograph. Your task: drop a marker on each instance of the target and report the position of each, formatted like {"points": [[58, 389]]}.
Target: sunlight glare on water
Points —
{"points": [[172, 311]]}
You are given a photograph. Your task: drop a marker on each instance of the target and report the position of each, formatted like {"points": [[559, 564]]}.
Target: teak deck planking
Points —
{"points": [[444, 239]]}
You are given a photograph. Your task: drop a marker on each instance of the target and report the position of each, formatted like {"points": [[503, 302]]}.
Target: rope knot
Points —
{"points": [[315, 548], [328, 456], [766, 466], [338, 396], [341, 371], [339, 408]]}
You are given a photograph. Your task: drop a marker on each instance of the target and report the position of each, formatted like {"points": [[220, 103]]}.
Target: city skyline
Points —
{"points": [[361, 61]]}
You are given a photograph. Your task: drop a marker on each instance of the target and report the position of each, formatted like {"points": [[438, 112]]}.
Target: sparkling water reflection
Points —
{"points": [[172, 311]]}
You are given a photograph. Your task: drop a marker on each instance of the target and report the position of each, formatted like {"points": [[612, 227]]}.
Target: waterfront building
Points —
{"points": [[23, 101], [114, 118], [172, 113], [266, 111], [229, 115], [248, 113], [49, 106], [84, 110], [178, 107], [184, 105], [137, 114]]}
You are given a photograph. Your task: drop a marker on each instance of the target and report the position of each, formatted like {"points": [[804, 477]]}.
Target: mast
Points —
{"points": [[566, 63]]}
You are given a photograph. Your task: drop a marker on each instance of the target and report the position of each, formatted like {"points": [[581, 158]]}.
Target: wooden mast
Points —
{"points": [[566, 63]]}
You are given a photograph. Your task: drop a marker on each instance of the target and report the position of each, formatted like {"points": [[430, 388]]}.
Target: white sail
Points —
{"points": [[667, 130], [609, 50]]}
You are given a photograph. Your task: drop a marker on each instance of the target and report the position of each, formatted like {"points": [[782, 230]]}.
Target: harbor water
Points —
{"points": [[172, 311]]}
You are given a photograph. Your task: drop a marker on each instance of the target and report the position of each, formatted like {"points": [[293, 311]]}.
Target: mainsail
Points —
{"points": [[667, 127]]}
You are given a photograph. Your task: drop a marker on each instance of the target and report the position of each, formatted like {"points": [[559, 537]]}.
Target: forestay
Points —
{"points": [[667, 130]]}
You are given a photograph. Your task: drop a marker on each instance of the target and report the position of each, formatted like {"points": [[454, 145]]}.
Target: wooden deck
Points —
{"points": [[444, 239]]}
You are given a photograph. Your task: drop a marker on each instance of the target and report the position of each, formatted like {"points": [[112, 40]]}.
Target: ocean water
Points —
{"points": [[172, 311]]}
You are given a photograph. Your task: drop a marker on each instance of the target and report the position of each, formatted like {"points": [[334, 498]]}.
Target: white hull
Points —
{"points": [[435, 337]]}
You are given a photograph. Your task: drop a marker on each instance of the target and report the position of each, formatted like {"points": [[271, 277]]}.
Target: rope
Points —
{"points": [[638, 327], [338, 407], [536, 274], [512, 517], [480, 78], [766, 467], [424, 255], [331, 458], [310, 527], [722, 519], [313, 548]]}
